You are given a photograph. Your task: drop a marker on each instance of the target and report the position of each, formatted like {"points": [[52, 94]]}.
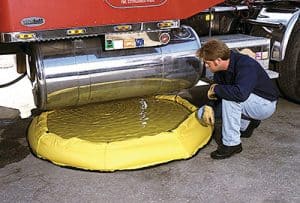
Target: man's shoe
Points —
{"points": [[249, 130], [226, 151]]}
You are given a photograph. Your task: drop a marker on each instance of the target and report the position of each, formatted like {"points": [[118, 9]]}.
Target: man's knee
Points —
{"points": [[231, 105]]}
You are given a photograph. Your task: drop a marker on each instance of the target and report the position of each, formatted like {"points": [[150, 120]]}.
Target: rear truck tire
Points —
{"points": [[289, 68]]}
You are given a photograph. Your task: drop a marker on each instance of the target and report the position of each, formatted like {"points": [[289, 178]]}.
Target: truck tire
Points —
{"points": [[289, 68]]}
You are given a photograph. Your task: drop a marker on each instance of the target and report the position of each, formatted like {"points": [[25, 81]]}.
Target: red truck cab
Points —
{"points": [[42, 20]]}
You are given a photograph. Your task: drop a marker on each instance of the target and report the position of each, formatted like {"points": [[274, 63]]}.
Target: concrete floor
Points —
{"points": [[267, 170]]}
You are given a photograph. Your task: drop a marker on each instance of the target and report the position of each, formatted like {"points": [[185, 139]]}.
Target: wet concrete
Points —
{"points": [[13, 143], [267, 170]]}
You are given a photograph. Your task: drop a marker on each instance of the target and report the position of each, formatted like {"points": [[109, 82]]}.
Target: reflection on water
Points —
{"points": [[117, 120], [108, 91], [143, 113]]}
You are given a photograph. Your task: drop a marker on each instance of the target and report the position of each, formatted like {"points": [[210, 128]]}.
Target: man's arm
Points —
{"points": [[245, 80]]}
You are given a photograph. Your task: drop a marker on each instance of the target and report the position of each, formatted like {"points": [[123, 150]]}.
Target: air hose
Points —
{"points": [[13, 81]]}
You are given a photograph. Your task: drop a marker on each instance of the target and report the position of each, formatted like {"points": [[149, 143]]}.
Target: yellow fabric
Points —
{"points": [[179, 143]]}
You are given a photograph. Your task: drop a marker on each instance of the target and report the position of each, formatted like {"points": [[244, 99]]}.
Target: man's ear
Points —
{"points": [[218, 61]]}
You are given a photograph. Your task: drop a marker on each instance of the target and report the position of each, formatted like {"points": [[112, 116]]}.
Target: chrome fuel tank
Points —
{"points": [[79, 71]]}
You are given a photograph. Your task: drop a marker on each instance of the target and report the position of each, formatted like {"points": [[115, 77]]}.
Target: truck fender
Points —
{"points": [[278, 50]]}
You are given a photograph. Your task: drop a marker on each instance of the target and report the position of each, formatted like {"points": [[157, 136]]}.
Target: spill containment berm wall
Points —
{"points": [[119, 135]]}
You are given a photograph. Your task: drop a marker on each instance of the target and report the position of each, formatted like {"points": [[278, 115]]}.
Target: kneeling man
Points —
{"points": [[241, 89]]}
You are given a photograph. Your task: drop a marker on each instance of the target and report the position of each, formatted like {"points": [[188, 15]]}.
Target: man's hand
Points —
{"points": [[211, 92], [208, 116]]}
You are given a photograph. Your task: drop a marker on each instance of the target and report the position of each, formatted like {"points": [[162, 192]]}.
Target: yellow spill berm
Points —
{"points": [[119, 135]]}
